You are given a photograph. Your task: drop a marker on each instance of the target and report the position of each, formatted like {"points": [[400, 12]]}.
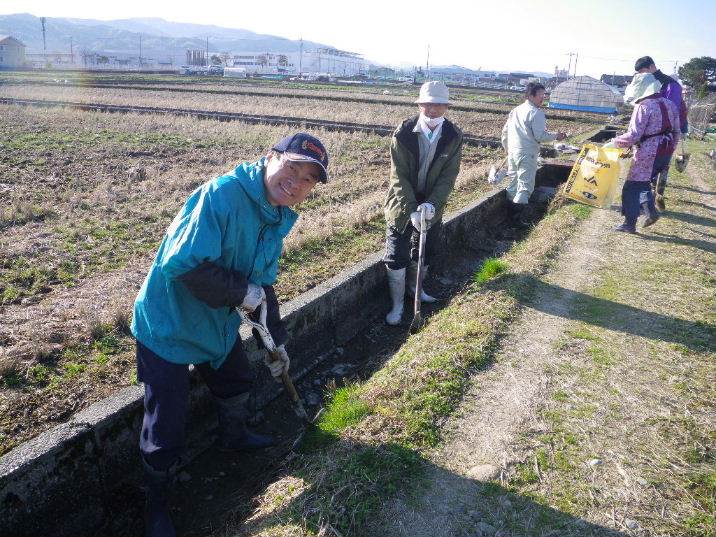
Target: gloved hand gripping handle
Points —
{"points": [[270, 345]]}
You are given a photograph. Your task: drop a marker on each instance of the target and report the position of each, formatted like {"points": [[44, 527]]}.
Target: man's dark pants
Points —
{"points": [[401, 248], [166, 396]]}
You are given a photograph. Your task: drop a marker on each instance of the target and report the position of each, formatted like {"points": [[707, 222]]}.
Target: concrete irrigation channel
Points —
{"points": [[82, 477]]}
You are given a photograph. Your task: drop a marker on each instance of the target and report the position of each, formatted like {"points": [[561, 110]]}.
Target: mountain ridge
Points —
{"points": [[156, 35]]}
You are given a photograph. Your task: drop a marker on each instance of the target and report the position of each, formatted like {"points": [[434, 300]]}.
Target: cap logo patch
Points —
{"points": [[310, 146]]}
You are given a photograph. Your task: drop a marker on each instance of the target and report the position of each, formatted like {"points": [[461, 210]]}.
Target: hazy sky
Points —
{"points": [[500, 34]]}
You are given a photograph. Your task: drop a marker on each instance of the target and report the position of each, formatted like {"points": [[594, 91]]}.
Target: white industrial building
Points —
{"points": [[12, 52], [323, 60]]}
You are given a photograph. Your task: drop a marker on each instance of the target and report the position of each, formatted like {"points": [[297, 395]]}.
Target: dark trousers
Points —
{"points": [[401, 248], [633, 192], [166, 395], [660, 173]]}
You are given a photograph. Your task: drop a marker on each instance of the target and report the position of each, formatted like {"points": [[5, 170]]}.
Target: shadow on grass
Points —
{"points": [[619, 317], [412, 495], [692, 189], [697, 204], [691, 218], [706, 246]]}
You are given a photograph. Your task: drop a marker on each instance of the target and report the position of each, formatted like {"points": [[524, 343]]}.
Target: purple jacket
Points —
{"points": [[671, 89], [646, 120]]}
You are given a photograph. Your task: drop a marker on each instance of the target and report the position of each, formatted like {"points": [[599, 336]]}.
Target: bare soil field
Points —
{"points": [[377, 91], [461, 100], [84, 201], [482, 124]]}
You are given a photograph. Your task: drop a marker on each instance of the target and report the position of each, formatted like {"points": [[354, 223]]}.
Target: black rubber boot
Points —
{"points": [[521, 213], [233, 433], [157, 522]]}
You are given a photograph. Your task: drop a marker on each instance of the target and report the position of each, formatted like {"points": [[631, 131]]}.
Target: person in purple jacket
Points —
{"points": [[672, 90], [654, 130]]}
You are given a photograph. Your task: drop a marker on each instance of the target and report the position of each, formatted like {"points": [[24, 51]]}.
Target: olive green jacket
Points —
{"points": [[402, 199]]}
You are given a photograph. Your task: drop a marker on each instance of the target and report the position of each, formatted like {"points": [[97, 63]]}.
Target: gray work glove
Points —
{"points": [[255, 294], [428, 209], [278, 367]]}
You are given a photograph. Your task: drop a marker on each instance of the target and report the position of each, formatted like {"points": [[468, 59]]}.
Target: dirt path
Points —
{"points": [[597, 405], [501, 404]]}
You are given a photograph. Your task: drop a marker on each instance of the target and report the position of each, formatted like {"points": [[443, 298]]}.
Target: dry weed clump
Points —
{"points": [[21, 212]]}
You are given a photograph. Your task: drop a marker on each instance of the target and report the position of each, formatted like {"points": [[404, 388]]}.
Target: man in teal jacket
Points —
{"points": [[220, 253]]}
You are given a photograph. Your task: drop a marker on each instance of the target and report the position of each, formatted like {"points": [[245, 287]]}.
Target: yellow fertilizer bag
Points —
{"points": [[594, 179]]}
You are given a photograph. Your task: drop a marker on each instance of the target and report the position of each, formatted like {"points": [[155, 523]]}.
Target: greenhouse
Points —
{"points": [[585, 94]]}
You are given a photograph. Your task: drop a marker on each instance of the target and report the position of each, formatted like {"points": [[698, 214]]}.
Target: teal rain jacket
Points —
{"points": [[227, 221]]}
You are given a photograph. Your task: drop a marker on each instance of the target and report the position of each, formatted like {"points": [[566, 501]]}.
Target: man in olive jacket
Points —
{"points": [[425, 155]]}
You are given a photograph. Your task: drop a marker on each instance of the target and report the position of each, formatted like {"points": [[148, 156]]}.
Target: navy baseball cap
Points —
{"points": [[302, 147]]}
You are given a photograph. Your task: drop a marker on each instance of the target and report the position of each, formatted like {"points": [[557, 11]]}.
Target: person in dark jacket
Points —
{"points": [[220, 253], [671, 90], [425, 154]]}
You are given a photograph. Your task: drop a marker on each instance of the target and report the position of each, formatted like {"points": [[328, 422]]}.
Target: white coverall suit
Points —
{"points": [[525, 128]]}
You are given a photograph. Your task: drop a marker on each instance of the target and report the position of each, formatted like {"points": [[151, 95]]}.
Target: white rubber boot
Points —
{"points": [[412, 278], [396, 284]]}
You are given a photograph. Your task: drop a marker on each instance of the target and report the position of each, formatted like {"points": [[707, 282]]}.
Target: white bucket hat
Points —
{"points": [[433, 92], [642, 85]]}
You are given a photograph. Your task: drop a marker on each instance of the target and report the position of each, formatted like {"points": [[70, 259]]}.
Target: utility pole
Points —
{"points": [[72, 52], [575, 65], [300, 59], [427, 65], [140, 52], [44, 41], [207, 50], [569, 67]]}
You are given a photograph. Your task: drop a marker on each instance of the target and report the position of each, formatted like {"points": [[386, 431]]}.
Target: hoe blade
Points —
{"points": [[417, 324]]}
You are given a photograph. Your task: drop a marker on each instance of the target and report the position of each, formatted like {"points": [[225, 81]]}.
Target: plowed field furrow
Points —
{"points": [[476, 124]]}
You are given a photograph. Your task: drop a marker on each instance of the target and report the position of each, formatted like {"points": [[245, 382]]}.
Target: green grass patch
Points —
{"points": [[72, 369], [601, 355], [19, 278], [343, 409], [39, 374], [580, 211], [582, 333], [490, 269], [702, 488]]}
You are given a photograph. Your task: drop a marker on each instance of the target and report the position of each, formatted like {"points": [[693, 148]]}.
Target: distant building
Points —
{"points": [[561, 73], [263, 63], [620, 81], [323, 60], [50, 59], [12, 52], [516, 77]]}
